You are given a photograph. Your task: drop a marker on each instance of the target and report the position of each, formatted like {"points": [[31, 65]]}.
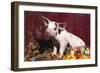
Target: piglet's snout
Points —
{"points": [[47, 34]]}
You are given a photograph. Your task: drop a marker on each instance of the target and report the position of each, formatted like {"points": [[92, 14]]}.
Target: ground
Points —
{"points": [[32, 53]]}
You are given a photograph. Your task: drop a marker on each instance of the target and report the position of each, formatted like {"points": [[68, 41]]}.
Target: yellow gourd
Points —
{"points": [[69, 57]]}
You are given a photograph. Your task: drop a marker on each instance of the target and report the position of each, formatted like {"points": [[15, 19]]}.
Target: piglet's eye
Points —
{"points": [[54, 28]]}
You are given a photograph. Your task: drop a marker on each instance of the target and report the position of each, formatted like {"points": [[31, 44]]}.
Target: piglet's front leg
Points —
{"points": [[54, 51], [61, 51]]}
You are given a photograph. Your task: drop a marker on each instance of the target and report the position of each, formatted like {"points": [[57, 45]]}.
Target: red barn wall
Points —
{"points": [[78, 24]]}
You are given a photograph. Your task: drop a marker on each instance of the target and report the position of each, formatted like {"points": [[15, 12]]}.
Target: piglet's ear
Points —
{"points": [[62, 25], [45, 20]]}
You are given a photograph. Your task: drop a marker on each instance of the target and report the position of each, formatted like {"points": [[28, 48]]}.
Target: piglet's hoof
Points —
{"points": [[59, 57], [54, 57]]}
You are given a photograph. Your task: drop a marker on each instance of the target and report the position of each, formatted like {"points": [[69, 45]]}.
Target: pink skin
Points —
{"points": [[63, 38]]}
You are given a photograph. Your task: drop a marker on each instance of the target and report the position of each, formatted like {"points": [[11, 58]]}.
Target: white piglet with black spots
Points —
{"points": [[58, 31]]}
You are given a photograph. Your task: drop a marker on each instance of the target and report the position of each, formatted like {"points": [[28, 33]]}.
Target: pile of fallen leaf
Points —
{"points": [[77, 53], [31, 53]]}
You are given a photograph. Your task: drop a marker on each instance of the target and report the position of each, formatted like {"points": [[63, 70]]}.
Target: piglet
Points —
{"points": [[58, 31]]}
